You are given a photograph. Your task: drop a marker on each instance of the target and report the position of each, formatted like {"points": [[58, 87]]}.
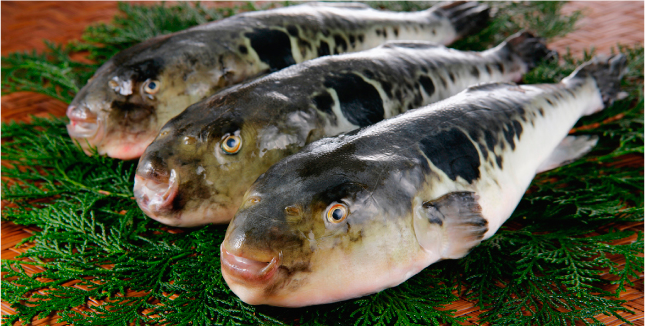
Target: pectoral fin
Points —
{"points": [[569, 150], [450, 226]]}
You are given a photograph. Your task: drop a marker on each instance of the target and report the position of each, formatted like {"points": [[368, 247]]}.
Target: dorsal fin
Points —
{"points": [[450, 226]]}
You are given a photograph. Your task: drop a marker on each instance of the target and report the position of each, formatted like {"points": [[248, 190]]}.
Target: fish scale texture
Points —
{"points": [[26, 24]]}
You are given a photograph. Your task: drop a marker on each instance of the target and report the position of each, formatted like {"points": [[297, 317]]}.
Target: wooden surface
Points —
{"points": [[26, 24]]}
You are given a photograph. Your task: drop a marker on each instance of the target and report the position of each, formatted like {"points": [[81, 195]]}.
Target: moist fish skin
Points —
{"points": [[277, 115], [392, 198], [129, 98]]}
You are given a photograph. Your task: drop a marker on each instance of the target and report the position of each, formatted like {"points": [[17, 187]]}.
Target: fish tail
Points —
{"points": [[529, 48], [607, 71], [465, 16]]}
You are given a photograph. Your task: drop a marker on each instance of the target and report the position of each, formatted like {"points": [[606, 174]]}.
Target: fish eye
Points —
{"points": [[152, 86], [337, 213], [231, 144]]}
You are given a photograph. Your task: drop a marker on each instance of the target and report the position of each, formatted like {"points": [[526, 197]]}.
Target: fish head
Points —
{"points": [[202, 162], [123, 106], [320, 228]]}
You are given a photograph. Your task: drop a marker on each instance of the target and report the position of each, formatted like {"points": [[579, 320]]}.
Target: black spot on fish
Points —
{"points": [[475, 72], [325, 32], [443, 81], [323, 49], [434, 32], [452, 76], [293, 30], [384, 32], [352, 40], [396, 31], [550, 103], [324, 102], [484, 151], [340, 42], [500, 67], [368, 73], [518, 128], [361, 38], [498, 159], [453, 153], [378, 32], [360, 102], [130, 113], [541, 111], [490, 140], [273, 47], [147, 69], [387, 87], [243, 49], [427, 85], [488, 70], [509, 133]]}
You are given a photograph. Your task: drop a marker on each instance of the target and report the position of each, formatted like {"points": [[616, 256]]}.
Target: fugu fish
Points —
{"points": [[129, 98], [390, 199], [198, 168]]}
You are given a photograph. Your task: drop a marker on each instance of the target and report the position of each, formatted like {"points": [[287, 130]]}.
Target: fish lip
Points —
{"points": [[248, 271], [153, 202], [83, 123]]}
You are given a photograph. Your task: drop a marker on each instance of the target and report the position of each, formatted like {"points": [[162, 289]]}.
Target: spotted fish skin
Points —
{"points": [[131, 96], [277, 115], [426, 185]]}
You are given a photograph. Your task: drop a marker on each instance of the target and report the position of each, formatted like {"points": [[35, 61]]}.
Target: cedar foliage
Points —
{"points": [[545, 266]]}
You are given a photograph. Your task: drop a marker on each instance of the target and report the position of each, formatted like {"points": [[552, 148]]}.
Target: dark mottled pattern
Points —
{"points": [[324, 102], [341, 44], [273, 47], [360, 102], [323, 49], [427, 85], [293, 30], [453, 153], [132, 113]]}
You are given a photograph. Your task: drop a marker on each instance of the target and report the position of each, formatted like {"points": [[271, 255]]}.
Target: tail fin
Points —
{"points": [[466, 17], [607, 71], [529, 48]]}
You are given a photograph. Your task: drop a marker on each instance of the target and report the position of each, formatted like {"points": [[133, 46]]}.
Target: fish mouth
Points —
{"points": [[83, 123], [246, 270], [155, 197]]}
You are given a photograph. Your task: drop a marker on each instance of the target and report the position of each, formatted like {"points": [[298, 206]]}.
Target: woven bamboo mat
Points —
{"points": [[26, 24]]}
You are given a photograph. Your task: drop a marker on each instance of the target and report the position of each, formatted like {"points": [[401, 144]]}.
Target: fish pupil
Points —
{"points": [[337, 214], [231, 142], [152, 85]]}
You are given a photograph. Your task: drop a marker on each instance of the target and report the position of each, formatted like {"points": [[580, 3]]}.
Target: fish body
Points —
{"points": [[355, 214], [188, 176], [124, 105]]}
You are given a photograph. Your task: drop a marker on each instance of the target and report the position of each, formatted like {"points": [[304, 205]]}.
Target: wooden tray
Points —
{"points": [[26, 24]]}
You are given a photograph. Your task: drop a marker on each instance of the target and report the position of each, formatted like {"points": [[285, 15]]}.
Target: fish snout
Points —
{"points": [[83, 123], [155, 188], [248, 267]]}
